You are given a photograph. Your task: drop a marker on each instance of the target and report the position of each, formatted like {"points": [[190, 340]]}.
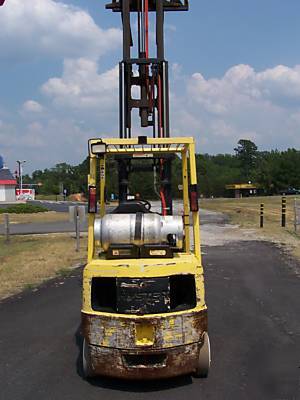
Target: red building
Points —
{"points": [[7, 186]]}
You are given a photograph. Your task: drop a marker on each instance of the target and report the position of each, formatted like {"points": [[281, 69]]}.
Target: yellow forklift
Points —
{"points": [[144, 314]]}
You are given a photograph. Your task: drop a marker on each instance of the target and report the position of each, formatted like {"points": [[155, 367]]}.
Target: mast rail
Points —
{"points": [[168, 5]]}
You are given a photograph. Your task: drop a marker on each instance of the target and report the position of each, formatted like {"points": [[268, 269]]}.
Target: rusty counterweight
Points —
{"points": [[115, 350]]}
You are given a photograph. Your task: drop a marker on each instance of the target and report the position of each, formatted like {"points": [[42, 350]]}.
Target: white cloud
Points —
{"points": [[82, 103], [44, 143], [31, 106], [39, 28], [83, 88], [262, 106]]}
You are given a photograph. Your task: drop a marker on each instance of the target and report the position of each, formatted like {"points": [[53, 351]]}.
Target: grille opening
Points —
{"points": [[104, 294], [182, 292], [142, 296], [146, 360]]}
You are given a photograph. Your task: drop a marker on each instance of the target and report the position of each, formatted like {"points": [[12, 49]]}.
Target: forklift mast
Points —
{"points": [[149, 73]]}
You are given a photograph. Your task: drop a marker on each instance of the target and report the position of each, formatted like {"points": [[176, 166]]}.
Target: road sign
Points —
{"points": [[77, 215], [77, 211]]}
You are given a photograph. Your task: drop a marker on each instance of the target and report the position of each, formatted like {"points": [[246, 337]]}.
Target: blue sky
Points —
{"points": [[216, 34], [234, 74]]}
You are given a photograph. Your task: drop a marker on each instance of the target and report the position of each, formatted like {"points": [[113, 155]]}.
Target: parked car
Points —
{"points": [[290, 191]]}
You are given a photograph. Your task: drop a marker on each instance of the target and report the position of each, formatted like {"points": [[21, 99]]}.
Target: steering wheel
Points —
{"points": [[146, 204], [143, 202]]}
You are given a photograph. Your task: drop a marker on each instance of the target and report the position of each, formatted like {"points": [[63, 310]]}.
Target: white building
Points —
{"points": [[7, 186]]}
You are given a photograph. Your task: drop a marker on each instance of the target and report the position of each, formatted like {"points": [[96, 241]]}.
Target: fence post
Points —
{"points": [[283, 212], [6, 228], [297, 215], [262, 209], [77, 227]]}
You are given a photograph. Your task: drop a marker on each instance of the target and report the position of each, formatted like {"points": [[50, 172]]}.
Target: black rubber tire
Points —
{"points": [[87, 369], [204, 359]]}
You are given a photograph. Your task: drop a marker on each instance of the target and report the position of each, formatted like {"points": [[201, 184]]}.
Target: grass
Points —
{"points": [[28, 261], [64, 272], [59, 197], [50, 216], [246, 213], [51, 197], [23, 209]]}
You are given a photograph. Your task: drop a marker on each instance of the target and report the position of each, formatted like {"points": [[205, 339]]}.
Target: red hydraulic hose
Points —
{"points": [[163, 203], [147, 28]]}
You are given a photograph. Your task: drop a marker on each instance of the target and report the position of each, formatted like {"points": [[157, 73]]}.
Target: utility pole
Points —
{"points": [[20, 167]]}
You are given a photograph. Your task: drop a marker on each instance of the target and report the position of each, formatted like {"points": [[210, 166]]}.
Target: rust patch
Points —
{"points": [[173, 362], [201, 322], [169, 331]]}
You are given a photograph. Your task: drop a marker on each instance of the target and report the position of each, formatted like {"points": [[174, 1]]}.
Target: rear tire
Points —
{"points": [[86, 361], [204, 358]]}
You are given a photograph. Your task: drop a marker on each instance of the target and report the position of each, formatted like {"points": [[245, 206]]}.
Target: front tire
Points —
{"points": [[86, 361], [204, 358]]}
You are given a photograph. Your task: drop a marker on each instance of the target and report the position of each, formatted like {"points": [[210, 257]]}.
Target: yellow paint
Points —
{"points": [[196, 220], [143, 268], [186, 206], [175, 328], [144, 334], [102, 187], [91, 217], [150, 141], [237, 186]]}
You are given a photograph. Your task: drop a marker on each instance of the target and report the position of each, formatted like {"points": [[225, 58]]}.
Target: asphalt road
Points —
{"points": [[206, 217], [43, 227], [58, 206], [253, 298], [63, 206]]}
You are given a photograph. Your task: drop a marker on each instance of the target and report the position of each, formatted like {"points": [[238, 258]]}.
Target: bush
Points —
{"points": [[23, 209]]}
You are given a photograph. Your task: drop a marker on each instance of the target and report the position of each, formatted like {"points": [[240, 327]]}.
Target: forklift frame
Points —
{"points": [[145, 346], [185, 146]]}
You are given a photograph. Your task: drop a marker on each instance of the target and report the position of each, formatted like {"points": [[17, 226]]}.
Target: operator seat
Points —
{"points": [[131, 207]]}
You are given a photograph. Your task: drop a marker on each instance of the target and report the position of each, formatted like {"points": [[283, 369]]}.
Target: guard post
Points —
{"points": [[262, 210], [283, 212]]}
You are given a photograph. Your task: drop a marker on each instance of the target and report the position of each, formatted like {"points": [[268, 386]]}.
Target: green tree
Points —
{"points": [[246, 153], [272, 170]]}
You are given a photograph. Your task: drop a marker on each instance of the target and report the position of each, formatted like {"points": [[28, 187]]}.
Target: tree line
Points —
{"points": [[273, 171]]}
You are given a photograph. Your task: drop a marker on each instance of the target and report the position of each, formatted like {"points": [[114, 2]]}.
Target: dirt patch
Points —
{"points": [[29, 260], [244, 217]]}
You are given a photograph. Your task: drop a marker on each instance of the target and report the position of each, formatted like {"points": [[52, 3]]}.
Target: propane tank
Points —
{"points": [[138, 229]]}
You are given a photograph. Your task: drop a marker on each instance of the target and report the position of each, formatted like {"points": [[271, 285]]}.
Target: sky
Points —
{"points": [[234, 73]]}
